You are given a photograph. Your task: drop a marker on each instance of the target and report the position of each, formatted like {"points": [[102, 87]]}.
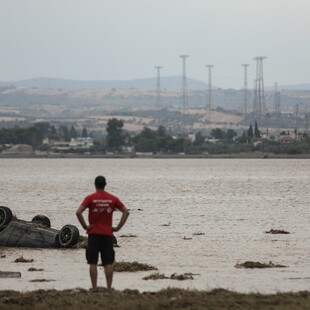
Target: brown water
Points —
{"points": [[232, 202]]}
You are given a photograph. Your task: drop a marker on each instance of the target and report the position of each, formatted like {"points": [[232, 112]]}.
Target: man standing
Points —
{"points": [[101, 206]]}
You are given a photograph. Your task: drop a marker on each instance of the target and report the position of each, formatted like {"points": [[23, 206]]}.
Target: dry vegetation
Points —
{"points": [[132, 267], [58, 103], [165, 299], [251, 265], [174, 276], [277, 231]]}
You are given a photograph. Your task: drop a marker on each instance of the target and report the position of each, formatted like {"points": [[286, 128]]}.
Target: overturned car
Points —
{"points": [[36, 233]]}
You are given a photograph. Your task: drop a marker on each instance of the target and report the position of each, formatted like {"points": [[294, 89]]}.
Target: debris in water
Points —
{"points": [[174, 276], [35, 269], [128, 236], [181, 277], [251, 265], [165, 225], [155, 276], [132, 267], [23, 260], [276, 231], [10, 274], [41, 280], [198, 234], [187, 238]]}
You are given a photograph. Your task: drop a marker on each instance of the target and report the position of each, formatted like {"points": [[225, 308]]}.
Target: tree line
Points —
{"points": [[35, 134], [219, 141]]}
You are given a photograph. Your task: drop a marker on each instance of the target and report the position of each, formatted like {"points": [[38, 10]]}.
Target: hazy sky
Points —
{"points": [[125, 39]]}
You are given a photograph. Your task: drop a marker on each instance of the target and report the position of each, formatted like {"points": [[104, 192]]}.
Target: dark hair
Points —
{"points": [[100, 182]]}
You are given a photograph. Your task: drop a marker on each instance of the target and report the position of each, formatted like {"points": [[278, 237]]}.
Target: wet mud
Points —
{"points": [[165, 299]]}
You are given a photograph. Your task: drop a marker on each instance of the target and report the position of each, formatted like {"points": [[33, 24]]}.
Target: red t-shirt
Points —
{"points": [[101, 206]]}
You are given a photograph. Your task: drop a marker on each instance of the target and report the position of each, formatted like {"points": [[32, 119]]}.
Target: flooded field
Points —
{"points": [[197, 216]]}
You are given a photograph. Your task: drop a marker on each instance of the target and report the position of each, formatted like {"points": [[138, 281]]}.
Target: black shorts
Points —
{"points": [[102, 244]]}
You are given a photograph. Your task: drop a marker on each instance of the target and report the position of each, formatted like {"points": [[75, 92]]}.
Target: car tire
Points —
{"points": [[5, 216], [43, 220], [68, 236]]}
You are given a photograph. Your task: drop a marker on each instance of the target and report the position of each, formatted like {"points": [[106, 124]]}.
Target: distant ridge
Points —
{"points": [[171, 82], [168, 82], [305, 86]]}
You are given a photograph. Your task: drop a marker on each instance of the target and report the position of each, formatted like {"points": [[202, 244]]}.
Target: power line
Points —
{"points": [[259, 107], [158, 94], [245, 88], [185, 105], [210, 97], [184, 84], [277, 105]]}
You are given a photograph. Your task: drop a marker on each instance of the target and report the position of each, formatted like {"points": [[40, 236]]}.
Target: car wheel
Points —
{"points": [[69, 236], [42, 219], [5, 216]]}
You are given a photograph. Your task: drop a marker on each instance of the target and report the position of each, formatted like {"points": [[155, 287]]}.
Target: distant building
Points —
{"points": [[191, 136], [286, 139], [18, 149], [75, 144]]}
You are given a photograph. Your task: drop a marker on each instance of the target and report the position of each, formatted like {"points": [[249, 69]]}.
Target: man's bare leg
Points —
{"points": [[108, 270], [93, 275]]}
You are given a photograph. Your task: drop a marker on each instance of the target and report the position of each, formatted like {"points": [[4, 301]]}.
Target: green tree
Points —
{"points": [[217, 133], [149, 140], [64, 133], [33, 137], [250, 132], [256, 131], [53, 131], [243, 138], [145, 141], [115, 133], [73, 132], [84, 133], [43, 127], [17, 135], [199, 139], [230, 134], [161, 131], [179, 145]]}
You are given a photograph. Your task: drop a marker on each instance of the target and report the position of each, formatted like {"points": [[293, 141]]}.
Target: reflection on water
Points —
{"points": [[222, 207]]}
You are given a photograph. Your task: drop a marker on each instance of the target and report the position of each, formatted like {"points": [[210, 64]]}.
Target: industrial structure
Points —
{"points": [[158, 95], [245, 66], [210, 95], [185, 105], [277, 106], [259, 108]]}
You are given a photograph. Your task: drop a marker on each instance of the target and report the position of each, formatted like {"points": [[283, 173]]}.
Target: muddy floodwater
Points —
{"points": [[199, 216]]}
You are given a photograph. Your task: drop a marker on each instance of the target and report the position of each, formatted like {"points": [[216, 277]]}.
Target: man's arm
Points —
{"points": [[125, 214], [79, 214]]}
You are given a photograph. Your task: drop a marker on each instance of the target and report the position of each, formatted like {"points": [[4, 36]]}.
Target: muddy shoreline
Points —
{"points": [[247, 155], [169, 298]]}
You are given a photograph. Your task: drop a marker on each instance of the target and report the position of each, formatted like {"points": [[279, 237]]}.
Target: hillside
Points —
{"points": [[21, 106], [170, 82], [167, 82]]}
